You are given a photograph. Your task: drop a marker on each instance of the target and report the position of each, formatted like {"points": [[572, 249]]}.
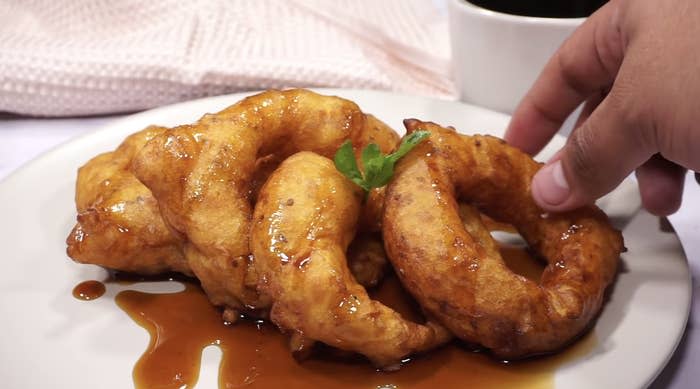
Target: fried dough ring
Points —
{"points": [[303, 222], [119, 225], [201, 175], [466, 285]]}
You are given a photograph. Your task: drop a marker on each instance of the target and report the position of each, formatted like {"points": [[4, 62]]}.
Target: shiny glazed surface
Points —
{"points": [[304, 220], [256, 355], [198, 172], [89, 290], [435, 256], [118, 222]]}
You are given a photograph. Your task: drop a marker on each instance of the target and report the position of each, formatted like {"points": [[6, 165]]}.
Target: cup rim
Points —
{"points": [[465, 5]]}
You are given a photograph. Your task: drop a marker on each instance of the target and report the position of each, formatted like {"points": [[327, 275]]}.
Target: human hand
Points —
{"points": [[636, 64]]}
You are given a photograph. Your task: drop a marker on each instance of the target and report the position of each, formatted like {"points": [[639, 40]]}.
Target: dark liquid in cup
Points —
{"points": [[542, 8]]}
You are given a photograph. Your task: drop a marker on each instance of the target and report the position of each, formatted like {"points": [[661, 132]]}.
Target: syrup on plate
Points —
{"points": [[256, 354]]}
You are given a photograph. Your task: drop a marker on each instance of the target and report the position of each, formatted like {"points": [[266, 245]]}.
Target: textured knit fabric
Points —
{"points": [[100, 56]]}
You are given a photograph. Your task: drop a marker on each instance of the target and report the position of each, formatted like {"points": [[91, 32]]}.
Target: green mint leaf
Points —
{"points": [[408, 143], [372, 161], [384, 174], [387, 170], [378, 168], [345, 162]]}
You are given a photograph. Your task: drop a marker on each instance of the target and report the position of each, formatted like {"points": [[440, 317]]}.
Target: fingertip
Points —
{"points": [[551, 190], [550, 187], [659, 207], [528, 130], [661, 186], [514, 134], [660, 200], [539, 195]]}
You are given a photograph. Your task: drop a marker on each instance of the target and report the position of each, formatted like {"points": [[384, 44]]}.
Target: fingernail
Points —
{"points": [[550, 185]]}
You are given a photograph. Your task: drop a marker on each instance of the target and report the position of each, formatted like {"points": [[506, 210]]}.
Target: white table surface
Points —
{"points": [[22, 139]]}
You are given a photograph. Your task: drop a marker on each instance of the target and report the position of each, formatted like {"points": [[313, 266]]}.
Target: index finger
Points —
{"points": [[587, 62]]}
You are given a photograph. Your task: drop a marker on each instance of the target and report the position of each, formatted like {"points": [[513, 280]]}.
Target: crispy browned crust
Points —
{"points": [[465, 284], [304, 220], [119, 225], [203, 174]]}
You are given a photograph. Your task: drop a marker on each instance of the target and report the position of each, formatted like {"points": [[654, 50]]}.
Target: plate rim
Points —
{"points": [[94, 136]]}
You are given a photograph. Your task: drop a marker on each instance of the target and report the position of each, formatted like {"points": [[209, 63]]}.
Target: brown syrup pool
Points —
{"points": [[255, 355]]}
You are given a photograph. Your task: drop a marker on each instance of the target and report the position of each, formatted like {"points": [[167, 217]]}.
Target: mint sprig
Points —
{"points": [[378, 168]]}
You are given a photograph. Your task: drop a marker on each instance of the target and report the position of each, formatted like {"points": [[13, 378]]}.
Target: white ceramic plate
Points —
{"points": [[50, 339]]}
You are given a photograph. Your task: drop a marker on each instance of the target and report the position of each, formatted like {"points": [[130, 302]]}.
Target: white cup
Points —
{"points": [[496, 56]]}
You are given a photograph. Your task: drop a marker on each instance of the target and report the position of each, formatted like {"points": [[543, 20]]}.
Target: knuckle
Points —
{"points": [[609, 48], [634, 116], [569, 66], [623, 94], [581, 156]]}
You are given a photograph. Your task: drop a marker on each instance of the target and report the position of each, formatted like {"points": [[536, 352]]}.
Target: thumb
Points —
{"points": [[598, 155]]}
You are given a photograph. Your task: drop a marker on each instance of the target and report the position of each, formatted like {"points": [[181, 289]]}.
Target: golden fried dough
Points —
{"points": [[457, 277], [202, 176], [303, 222], [119, 225]]}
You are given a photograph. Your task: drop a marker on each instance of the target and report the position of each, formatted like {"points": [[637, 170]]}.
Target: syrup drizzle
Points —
{"points": [[89, 290], [256, 355]]}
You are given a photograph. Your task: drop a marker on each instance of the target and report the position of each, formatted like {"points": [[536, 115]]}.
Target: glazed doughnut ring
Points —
{"points": [[118, 224], [202, 176], [465, 284], [304, 220]]}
